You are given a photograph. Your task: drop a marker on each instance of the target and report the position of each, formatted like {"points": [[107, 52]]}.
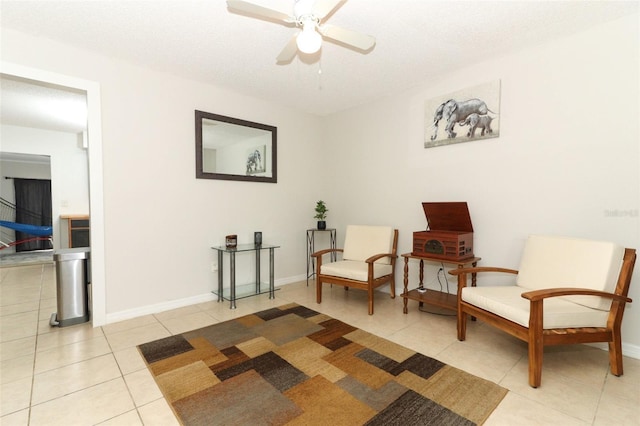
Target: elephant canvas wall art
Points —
{"points": [[467, 115]]}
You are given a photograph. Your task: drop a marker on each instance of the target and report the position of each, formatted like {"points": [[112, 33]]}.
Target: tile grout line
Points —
{"points": [[35, 347]]}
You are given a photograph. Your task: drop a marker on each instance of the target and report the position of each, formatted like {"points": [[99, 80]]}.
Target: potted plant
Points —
{"points": [[321, 214]]}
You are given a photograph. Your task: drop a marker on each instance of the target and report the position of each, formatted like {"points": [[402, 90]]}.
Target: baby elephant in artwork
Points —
{"points": [[476, 121]]}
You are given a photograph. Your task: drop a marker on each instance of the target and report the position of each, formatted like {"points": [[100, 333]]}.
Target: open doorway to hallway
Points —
{"points": [[44, 129], [91, 139]]}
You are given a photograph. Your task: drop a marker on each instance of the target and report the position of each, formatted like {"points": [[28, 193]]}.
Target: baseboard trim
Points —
{"points": [[179, 303], [290, 280], [159, 307], [632, 351]]}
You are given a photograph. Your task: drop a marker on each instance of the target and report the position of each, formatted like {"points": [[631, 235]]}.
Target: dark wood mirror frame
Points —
{"points": [[270, 165]]}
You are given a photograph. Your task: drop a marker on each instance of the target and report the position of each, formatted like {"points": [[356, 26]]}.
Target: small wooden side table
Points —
{"points": [[433, 297]]}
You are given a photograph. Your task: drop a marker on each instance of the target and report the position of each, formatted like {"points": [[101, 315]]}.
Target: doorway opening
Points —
{"points": [[91, 140]]}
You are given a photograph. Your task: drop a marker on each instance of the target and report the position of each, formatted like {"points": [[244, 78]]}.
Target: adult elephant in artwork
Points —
{"points": [[455, 112]]}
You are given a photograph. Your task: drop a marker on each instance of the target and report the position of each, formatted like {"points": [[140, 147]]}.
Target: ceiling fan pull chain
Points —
{"points": [[320, 74]]}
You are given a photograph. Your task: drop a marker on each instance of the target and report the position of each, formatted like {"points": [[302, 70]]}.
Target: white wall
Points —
{"points": [[69, 170], [160, 221], [566, 160]]}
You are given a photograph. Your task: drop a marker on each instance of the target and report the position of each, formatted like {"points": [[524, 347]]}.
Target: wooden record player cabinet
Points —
{"points": [[449, 235], [433, 297]]}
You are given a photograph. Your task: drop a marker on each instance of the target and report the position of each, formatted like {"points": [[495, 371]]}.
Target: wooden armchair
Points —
{"points": [[368, 261], [567, 291]]}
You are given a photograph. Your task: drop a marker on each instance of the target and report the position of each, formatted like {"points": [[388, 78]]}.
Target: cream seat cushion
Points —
{"points": [[354, 270], [554, 262], [507, 302]]}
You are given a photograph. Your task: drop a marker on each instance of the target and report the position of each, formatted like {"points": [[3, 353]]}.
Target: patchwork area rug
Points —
{"points": [[292, 365]]}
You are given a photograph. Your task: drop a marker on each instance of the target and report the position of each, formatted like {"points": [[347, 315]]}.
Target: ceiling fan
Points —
{"points": [[307, 15]]}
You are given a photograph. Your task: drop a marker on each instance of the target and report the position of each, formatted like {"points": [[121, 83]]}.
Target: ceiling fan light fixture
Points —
{"points": [[308, 15], [309, 40]]}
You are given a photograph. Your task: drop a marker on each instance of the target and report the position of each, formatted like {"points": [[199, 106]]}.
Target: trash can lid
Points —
{"points": [[71, 253]]}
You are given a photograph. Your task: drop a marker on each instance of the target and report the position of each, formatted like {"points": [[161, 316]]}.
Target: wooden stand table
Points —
{"points": [[434, 297]]}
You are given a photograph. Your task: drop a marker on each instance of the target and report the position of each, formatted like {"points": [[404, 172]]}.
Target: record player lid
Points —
{"points": [[451, 216]]}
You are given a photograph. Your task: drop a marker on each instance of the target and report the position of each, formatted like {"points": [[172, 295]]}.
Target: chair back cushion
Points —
{"points": [[362, 242], [552, 262]]}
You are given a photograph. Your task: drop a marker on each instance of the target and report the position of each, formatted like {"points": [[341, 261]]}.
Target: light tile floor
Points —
{"points": [[81, 375]]}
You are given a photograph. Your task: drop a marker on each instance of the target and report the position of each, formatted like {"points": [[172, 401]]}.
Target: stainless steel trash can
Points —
{"points": [[72, 280]]}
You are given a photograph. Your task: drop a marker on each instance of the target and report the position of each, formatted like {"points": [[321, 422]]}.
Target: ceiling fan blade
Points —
{"points": [[289, 51], [324, 7], [348, 37], [259, 11]]}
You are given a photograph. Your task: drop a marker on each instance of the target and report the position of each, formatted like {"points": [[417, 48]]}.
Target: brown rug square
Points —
{"points": [[292, 365]]}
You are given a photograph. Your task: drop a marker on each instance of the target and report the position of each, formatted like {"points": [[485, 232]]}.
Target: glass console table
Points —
{"points": [[248, 289]]}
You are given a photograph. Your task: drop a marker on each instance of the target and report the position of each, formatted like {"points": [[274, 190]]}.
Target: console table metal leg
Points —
{"points": [[220, 275], [258, 271], [332, 237], [310, 260], [232, 279], [271, 275]]}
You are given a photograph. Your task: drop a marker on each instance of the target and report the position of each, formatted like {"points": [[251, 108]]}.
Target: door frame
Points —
{"points": [[96, 188]]}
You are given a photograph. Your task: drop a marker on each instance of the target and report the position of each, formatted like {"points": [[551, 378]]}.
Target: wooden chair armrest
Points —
{"points": [[462, 274], [321, 253], [477, 269], [536, 295], [379, 256]]}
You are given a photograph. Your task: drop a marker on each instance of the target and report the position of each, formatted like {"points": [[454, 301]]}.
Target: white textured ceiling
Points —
{"points": [[417, 41], [34, 104]]}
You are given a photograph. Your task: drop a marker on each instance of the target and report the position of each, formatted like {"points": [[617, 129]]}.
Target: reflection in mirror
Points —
{"points": [[233, 149]]}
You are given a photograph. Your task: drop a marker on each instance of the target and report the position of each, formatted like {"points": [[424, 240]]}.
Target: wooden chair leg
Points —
{"points": [[462, 324], [392, 287], [615, 354], [370, 291], [536, 344], [318, 280], [536, 352], [318, 290]]}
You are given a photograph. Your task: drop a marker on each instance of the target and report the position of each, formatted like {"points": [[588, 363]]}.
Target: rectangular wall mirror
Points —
{"points": [[234, 149]]}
